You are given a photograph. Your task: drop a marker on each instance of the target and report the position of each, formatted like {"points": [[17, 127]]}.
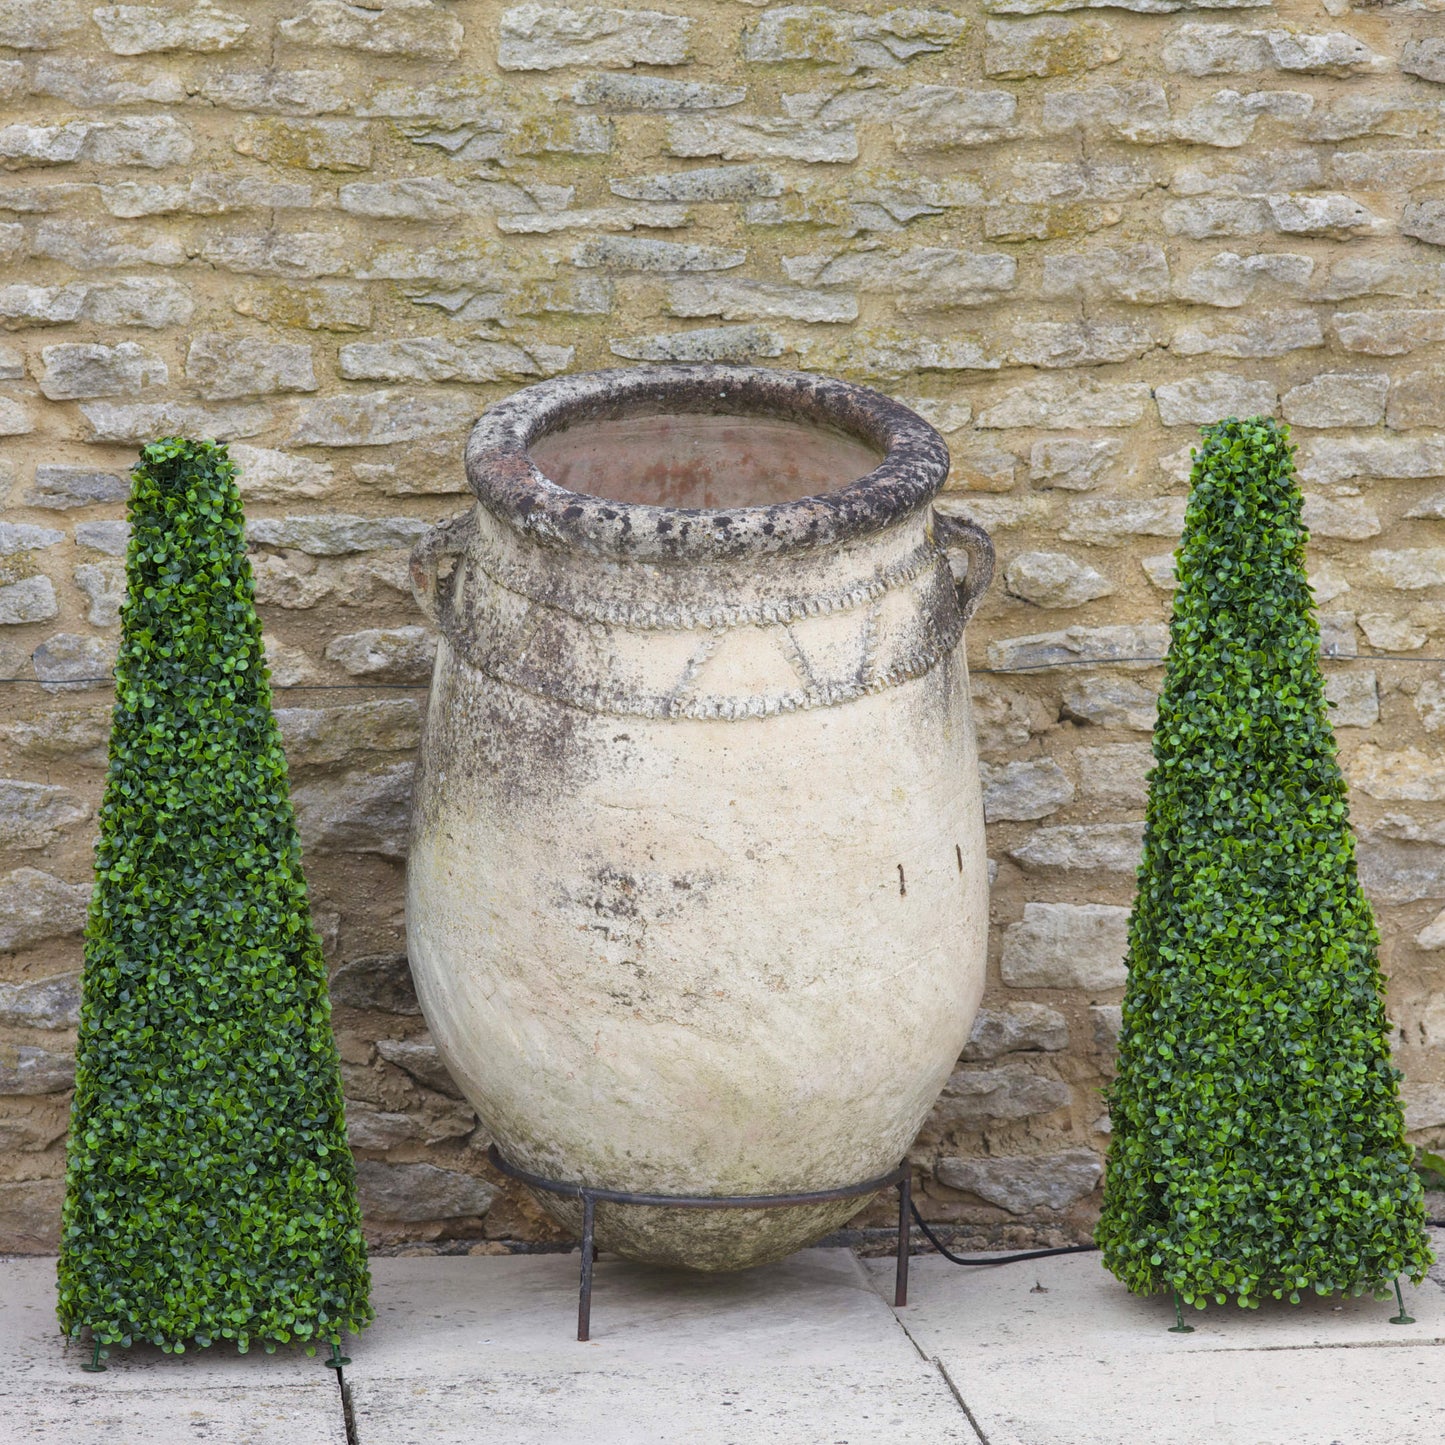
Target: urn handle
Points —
{"points": [[954, 534], [447, 539]]}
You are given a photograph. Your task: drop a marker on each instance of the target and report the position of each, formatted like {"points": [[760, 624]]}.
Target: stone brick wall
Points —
{"points": [[1068, 231]]}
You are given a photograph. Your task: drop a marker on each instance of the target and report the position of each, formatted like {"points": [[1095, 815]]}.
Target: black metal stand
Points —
{"points": [[900, 1178]]}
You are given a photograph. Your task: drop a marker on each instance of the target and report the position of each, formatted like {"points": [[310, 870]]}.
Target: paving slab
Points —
{"points": [[799, 1353], [100, 1414], [35, 1354]]}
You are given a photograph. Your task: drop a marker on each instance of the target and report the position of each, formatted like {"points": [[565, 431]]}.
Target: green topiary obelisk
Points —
{"points": [[1258, 1145], [210, 1192]]}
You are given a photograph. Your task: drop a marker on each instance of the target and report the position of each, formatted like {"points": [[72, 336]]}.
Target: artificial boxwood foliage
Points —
{"points": [[210, 1193], [1258, 1145]]}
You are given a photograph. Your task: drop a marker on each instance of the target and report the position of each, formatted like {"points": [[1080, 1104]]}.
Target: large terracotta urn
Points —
{"points": [[697, 892]]}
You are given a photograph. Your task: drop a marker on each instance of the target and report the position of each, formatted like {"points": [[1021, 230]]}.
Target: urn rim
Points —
{"points": [[509, 484]]}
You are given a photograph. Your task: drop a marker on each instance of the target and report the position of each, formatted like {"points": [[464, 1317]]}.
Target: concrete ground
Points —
{"points": [[474, 1350]]}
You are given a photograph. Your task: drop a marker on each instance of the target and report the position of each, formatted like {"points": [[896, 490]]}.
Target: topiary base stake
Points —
{"points": [[1179, 1327], [94, 1367], [1402, 1318], [337, 1359]]}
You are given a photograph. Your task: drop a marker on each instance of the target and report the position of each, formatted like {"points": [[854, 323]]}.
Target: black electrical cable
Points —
{"points": [[948, 1254]]}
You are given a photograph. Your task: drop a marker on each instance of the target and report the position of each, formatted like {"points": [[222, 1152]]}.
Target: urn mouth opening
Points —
{"points": [[692, 462]]}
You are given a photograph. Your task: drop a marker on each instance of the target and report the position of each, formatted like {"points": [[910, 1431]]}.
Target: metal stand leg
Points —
{"points": [[589, 1256], [905, 1202]]}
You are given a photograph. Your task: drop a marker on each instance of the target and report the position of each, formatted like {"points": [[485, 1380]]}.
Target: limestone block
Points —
{"points": [[86, 81], [1406, 775], [756, 138], [25, 1069], [1416, 400], [707, 343], [414, 1193], [941, 276], [420, 1059], [1014, 1028], [1108, 1022], [131, 301], [327, 306], [848, 39], [1139, 644], [1107, 701], [1393, 633], [705, 183], [1136, 112], [1056, 344], [1347, 517], [32, 599], [1338, 398], [1048, 46], [290, 91], [27, 26], [90, 246], [1115, 774], [267, 475], [980, 1098], [927, 119], [1425, 58], [379, 981], [1432, 938], [107, 537], [364, 810], [69, 662], [1196, 49], [1331, 460], [1074, 464], [1002, 718], [613, 92], [26, 537], [1230, 279], [82, 369], [1424, 1105], [436, 358], [33, 815], [1355, 698], [318, 145], [1138, 274], [885, 354], [1060, 403], [334, 534], [632, 253], [416, 29], [381, 418], [546, 37], [295, 255], [152, 141], [739, 300], [1213, 396], [398, 654], [1023, 1184], [1020, 790], [1409, 569], [1388, 333], [147, 29], [144, 421], [103, 585], [1104, 521], [1261, 333], [1054, 579], [1066, 945], [1081, 848], [34, 908]]}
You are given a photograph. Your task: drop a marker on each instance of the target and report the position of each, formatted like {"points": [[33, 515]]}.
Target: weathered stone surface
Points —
{"points": [[382, 981], [1425, 58], [1259, 334], [108, 537], [364, 810], [417, 29], [1346, 517], [1066, 945], [103, 585], [1107, 701], [850, 40], [61, 733], [630, 253], [1424, 1105], [144, 421], [707, 343], [1026, 789], [413, 1193], [1197, 49], [35, 814], [152, 141], [16, 537], [1416, 400], [16, 419], [25, 1069], [317, 145], [324, 736], [653, 92], [1108, 1022], [266, 475], [26, 26], [1114, 773], [1103, 521], [739, 300], [1409, 569], [1054, 579], [62, 487], [1337, 399], [1051, 45], [1067, 402], [34, 907], [419, 1058], [756, 138], [133, 301], [1213, 396], [436, 358], [1141, 645], [927, 277], [1072, 463], [1023, 1184], [30, 600], [1081, 848], [42, 1003], [1355, 698], [1014, 1028], [334, 534], [1397, 776], [381, 418], [546, 37], [146, 29], [978, 1098], [399, 654], [82, 369], [70, 662]]}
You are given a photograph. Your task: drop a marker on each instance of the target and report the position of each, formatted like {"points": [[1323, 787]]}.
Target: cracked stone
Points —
{"points": [[413, 1193], [976, 1098], [420, 1059], [1017, 1028], [76, 369]]}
